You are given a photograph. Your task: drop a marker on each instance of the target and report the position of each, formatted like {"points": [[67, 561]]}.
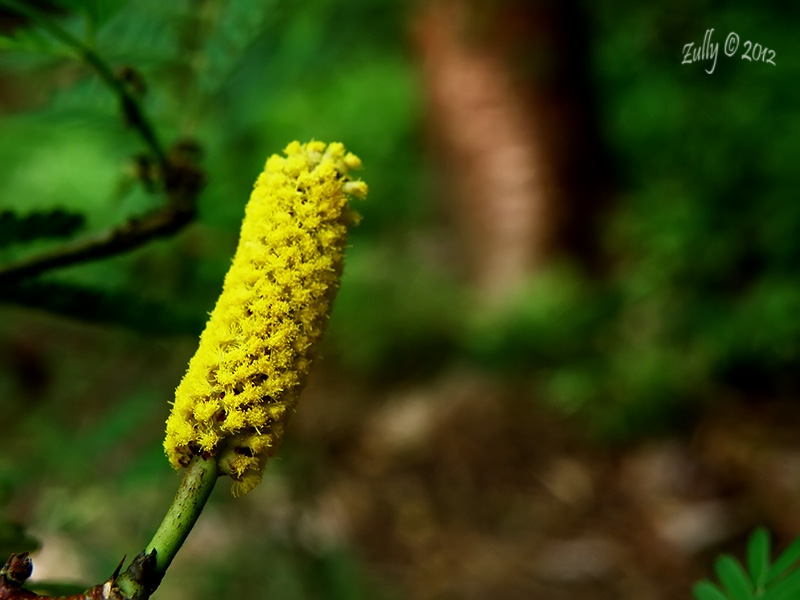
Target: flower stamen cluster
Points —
{"points": [[254, 355]]}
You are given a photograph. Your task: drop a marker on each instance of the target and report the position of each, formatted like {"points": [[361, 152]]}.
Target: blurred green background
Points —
{"points": [[449, 446]]}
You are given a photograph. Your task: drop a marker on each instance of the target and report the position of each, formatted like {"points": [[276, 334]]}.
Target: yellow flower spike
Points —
{"points": [[242, 385]]}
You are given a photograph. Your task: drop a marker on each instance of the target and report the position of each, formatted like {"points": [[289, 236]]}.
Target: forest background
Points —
{"points": [[564, 358]]}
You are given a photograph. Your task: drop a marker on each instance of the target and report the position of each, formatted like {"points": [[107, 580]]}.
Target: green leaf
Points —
{"points": [[734, 578], [785, 560], [758, 548], [73, 5], [27, 40], [237, 26], [100, 11], [8, 42], [785, 589], [705, 590]]}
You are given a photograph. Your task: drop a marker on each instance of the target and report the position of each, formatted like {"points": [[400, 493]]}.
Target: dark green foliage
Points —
{"points": [[733, 578], [14, 538], [408, 328], [56, 223], [104, 307], [779, 581], [706, 590], [758, 557], [245, 78], [785, 561], [701, 292]]}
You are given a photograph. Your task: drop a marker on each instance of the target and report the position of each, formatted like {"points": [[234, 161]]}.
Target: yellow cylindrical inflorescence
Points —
{"points": [[255, 352]]}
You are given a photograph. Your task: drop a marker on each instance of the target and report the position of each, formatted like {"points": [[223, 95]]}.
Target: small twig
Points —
{"points": [[128, 103], [131, 234], [18, 569]]}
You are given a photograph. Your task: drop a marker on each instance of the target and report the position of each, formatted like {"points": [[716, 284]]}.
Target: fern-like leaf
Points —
{"points": [[785, 561], [758, 550], [734, 578], [705, 590], [761, 581]]}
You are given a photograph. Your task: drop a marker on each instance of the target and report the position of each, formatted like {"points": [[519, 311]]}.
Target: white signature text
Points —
{"points": [[709, 51]]}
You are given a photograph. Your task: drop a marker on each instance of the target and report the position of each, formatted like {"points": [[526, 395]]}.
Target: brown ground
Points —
{"points": [[463, 488]]}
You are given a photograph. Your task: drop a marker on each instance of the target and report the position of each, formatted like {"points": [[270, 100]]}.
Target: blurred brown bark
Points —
{"points": [[512, 121]]}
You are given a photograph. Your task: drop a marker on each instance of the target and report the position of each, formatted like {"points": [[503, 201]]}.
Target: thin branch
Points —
{"points": [[18, 569], [131, 234], [128, 103]]}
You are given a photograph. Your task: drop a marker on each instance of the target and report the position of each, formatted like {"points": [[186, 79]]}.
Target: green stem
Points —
{"points": [[198, 481], [130, 106]]}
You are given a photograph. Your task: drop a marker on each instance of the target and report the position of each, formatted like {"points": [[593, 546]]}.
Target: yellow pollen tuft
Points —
{"points": [[242, 384]]}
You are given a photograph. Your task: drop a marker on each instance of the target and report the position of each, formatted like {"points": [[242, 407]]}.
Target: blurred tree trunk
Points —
{"points": [[512, 120]]}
